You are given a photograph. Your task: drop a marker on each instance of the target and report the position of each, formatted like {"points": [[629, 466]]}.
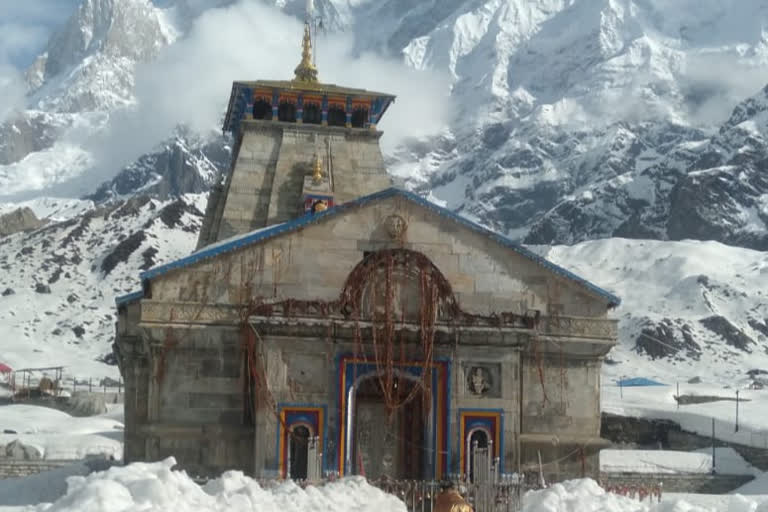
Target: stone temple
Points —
{"points": [[328, 323]]}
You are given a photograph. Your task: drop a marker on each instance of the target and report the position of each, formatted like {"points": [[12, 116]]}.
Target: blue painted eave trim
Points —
{"points": [[308, 219], [131, 297]]}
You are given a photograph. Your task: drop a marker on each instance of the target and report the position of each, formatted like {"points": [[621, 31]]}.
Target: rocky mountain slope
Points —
{"points": [[716, 189], [60, 280], [567, 121]]}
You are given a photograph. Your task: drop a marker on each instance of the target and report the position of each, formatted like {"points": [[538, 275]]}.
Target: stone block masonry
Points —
{"points": [[684, 483], [22, 468], [264, 186]]}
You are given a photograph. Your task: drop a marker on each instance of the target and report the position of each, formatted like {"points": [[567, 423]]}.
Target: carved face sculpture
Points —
{"points": [[396, 226], [478, 381]]}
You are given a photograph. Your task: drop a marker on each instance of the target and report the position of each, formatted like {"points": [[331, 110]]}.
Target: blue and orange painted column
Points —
{"points": [[348, 111], [300, 109], [249, 99], [325, 111], [275, 104]]}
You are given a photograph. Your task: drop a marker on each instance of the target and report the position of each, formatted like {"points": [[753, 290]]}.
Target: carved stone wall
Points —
{"points": [[314, 263]]}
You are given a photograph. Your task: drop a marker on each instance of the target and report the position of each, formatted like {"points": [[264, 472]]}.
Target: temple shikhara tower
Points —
{"points": [[330, 324], [297, 142]]}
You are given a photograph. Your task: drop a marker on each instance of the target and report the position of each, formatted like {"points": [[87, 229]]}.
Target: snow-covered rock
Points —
{"points": [[90, 61], [85, 256], [686, 305]]}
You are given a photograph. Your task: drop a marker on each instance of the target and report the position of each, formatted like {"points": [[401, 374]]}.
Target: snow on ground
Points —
{"points": [[155, 486], [649, 461], [144, 487], [728, 462], [658, 402], [59, 436]]}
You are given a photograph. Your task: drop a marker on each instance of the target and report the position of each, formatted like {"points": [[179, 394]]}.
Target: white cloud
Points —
{"points": [[24, 30], [191, 80], [25, 26], [715, 83], [12, 90]]}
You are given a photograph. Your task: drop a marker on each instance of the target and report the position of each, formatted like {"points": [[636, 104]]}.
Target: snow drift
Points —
{"points": [[155, 486]]}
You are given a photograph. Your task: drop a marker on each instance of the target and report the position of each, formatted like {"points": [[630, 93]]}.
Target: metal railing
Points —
{"points": [[314, 459], [419, 495], [484, 487]]}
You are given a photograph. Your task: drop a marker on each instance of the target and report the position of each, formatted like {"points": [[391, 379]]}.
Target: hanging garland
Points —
{"points": [[370, 294]]}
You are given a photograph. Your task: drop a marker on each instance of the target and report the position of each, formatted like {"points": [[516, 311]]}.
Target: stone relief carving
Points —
{"points": [[587, 327], [187, 313], [478, 381], [396, 226], [483, 379]]}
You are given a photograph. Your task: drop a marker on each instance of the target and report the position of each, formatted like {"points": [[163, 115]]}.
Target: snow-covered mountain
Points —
{"points": [[568, 121], [695, 308], [715, 189], [59, 281], [86, 72]]}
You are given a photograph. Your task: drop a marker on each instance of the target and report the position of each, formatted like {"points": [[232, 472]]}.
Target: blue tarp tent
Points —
{"points": [[638, 381]]}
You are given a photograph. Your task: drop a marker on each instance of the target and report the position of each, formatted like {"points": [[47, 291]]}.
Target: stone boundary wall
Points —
{"points": [[685, 483], [20, 468], [644, 433]]}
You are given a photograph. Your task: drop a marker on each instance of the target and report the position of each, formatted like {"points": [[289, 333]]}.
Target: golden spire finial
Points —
{"points": [[317, 171], [306, 70]]}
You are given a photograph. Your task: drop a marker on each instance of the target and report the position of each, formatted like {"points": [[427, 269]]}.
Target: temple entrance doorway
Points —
{"points": [[389, 444]]}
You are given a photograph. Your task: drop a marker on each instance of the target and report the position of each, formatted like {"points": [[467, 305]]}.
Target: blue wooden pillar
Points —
{"points": [[248, 103], [325, 111], [275, 103], [349, 112], [300, 109], [373, 117]]}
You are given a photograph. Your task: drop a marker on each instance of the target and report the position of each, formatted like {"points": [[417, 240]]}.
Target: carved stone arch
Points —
{"points": [[398, 284]]}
